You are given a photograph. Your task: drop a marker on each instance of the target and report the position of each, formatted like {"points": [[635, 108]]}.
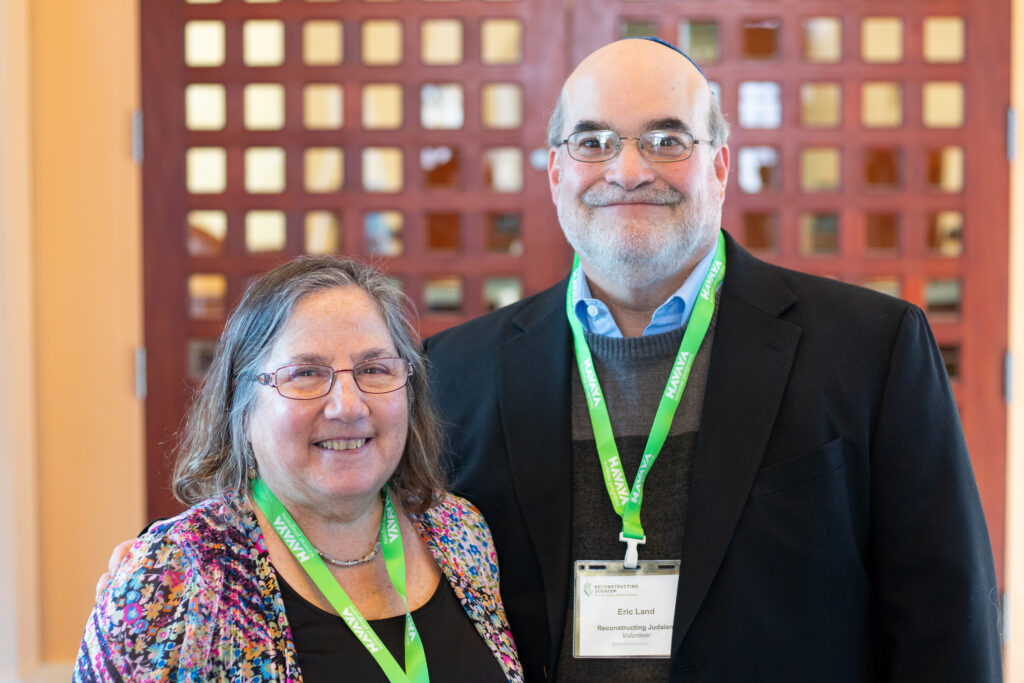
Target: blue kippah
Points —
{"points": [[670, 46]]}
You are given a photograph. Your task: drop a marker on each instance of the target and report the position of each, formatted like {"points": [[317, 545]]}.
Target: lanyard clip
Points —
{"points": [[632, 556]]}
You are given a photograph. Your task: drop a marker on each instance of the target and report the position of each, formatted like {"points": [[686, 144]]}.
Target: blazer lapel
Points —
{"points": [[750, 362], [534, 374]]}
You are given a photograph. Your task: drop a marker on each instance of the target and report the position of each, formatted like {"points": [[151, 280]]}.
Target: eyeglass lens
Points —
{"points": [[375, 376], [656, 145]]}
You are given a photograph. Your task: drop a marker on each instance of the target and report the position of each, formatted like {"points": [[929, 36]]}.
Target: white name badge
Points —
{"points": [[623, 613]]}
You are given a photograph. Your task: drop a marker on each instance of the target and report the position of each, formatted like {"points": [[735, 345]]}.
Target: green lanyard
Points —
{"points": [[626, 500], [394, 560]]}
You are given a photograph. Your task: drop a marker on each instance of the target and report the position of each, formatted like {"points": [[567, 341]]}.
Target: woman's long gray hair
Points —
{"points": [[214, 454]]}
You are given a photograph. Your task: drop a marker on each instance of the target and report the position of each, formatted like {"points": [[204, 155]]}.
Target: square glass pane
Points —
{"points": [[943, 39], [205, 170], [322, 106], [441, 41], [882, 233], [382, 106], [881, 104], [206, 232], [264, 170], [942, 297], [264, 231], [441, 106], [382, 169], [882, 167], [635, 28], [759, 169], [382, 42], [383, 233], [823, 40], [323, 233], [760, 39], [263, 42], [204, 106], [200, 356], [264, 106], [204, 43], [444, 232], [881, 39], [699, 39], [502, 291], [819, 169], [502, 105], [760, 230], [820, 105], [503, 169], [945, 169], [885, 284], [504, 233], [323, 169], [443, 294], [207, 294], [440, 167], [951, 359], [760, 104], [501, 41], [819, 233], [946, 233], [322, 42], [943, 104]]}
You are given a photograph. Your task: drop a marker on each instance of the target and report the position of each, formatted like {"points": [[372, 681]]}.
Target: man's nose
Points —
{"points": [[629, 169]]}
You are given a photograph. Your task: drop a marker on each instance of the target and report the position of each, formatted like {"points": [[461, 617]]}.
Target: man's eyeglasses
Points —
{"points": [[660, 146], [304, 382]]}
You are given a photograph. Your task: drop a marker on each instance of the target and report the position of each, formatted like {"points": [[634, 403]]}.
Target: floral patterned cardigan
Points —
{"points": [[197, 598]]}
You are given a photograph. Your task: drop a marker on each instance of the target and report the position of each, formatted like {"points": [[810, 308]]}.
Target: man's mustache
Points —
{"points": [[605, 196]]}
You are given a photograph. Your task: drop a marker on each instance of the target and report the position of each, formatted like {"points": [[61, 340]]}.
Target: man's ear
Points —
{"points": [[721, 166], [554, 172]]}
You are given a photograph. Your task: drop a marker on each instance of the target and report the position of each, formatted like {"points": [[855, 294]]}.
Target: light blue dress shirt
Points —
{"points": [[597, 319]]}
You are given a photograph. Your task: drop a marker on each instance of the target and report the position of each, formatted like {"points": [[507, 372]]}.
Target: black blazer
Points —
{"points": [[834, 531]]}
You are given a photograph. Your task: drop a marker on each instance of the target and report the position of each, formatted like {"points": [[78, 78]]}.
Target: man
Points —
{"points": [[813, 483]]}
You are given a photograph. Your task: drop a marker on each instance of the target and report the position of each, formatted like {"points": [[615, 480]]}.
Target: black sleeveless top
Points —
{"points": [[328, 650]]}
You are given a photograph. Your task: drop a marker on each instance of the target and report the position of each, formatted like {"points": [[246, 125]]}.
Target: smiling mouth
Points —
{"points": [[342, 444]]}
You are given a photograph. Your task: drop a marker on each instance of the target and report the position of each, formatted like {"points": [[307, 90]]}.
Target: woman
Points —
{"points": [[310, 457]]}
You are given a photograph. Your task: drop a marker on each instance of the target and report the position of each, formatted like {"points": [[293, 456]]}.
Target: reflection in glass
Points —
{"points": [[440, 167], [946, 233], [942, 297], [200, 356], [699, 39], [760, 104], [881, 167], [264, 231], [943, 39], [264, 106], [760, 38], [760, 230], [501, 41], [382, 106], [204, 43], [443, 232], [943, 104], [635, 28], [323, 169], [322, 106], [881, 104], [322, 42], [820, 105], [441, 106], [323, 235], [441, 41], [502, 105], [264, 170], [819, 233], [382, 42], [204, 106], [263, 42], [206, 231], [882, 232], [383, 233], [819, 169], [951, 359], [758, 169], [205, 170], [443, 294], [503, 169], [504, 233], [945, 169], [823, 40], [206, 296], [382, 169], [885, 284], [881, 39], [502, 291]]}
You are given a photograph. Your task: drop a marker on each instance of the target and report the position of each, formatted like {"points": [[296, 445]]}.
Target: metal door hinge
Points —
{"points": [[137, 150], [1011, 134], [140, 372], [1007, 377]]}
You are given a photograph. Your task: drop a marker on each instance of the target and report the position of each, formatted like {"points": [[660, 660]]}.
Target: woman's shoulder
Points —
{"points": [[452, 514], [459, 538]]}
